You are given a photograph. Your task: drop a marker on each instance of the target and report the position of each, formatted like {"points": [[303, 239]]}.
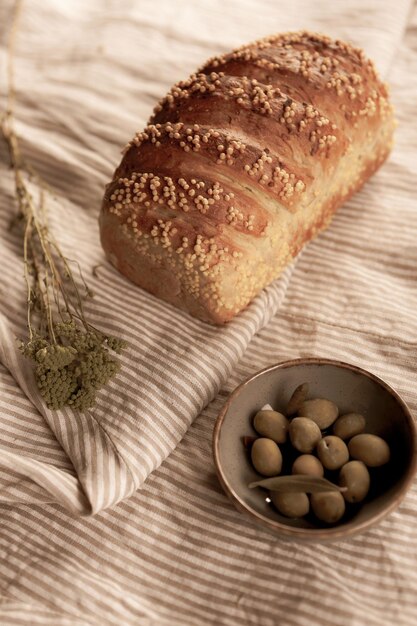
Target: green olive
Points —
{"points": [[332, 452], [309, 465], [297, 398], [322, 411], [349, 425], [370, 449], [271, 424], [291, 504], [328, 506], [304, 434], [266, 457], [355, 476]]}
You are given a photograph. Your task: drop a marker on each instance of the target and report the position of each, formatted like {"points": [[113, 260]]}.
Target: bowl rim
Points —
{"points": [[335, 532]]}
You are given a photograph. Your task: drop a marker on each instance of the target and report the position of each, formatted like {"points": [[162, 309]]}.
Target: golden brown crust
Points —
{"points": [[242, 164]]}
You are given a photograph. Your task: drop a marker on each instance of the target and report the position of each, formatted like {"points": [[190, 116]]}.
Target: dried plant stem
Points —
{"points": [[72, 358]]}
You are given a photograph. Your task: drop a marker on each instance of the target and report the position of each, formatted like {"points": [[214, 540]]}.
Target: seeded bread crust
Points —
{"points": [[240, 166]]}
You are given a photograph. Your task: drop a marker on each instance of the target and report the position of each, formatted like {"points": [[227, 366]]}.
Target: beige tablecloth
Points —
{"points": [[176, 552]]}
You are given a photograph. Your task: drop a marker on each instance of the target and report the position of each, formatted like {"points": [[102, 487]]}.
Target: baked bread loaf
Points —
{"points": [[241, 165]]}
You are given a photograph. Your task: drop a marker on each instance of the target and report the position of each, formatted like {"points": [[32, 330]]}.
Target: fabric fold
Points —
{"points": [[90, 97], [167, 378]]}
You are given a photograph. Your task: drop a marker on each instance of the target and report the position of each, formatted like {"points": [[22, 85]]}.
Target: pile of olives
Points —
{"points": [[295, 444]]}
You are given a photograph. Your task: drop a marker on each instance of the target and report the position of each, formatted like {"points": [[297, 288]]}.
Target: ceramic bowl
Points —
{"points": [[353, 390]]}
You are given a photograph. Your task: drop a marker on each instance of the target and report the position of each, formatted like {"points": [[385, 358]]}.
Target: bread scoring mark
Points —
{"points": [[192, 138], [302, 62], [260, 165], [130, 197], [247, 93], [252, 96], [147, 188], [331, 65], [306, 54]]}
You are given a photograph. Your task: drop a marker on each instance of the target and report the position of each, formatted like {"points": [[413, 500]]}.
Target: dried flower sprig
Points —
{"points": [[72, 358]]}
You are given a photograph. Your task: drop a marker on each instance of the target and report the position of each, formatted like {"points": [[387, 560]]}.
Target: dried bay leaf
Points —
{"points": [[297, 483], [297, 398]]}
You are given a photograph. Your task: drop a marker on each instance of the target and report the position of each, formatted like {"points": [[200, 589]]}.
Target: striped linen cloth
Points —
{"points": [[176, 552]]}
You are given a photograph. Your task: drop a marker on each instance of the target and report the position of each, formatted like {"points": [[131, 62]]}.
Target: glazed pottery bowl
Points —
{"points": [[353, 390]]}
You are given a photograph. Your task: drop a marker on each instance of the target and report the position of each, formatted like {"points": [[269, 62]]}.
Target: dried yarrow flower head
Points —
{"points": [[71, 371], [72, 359]]}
